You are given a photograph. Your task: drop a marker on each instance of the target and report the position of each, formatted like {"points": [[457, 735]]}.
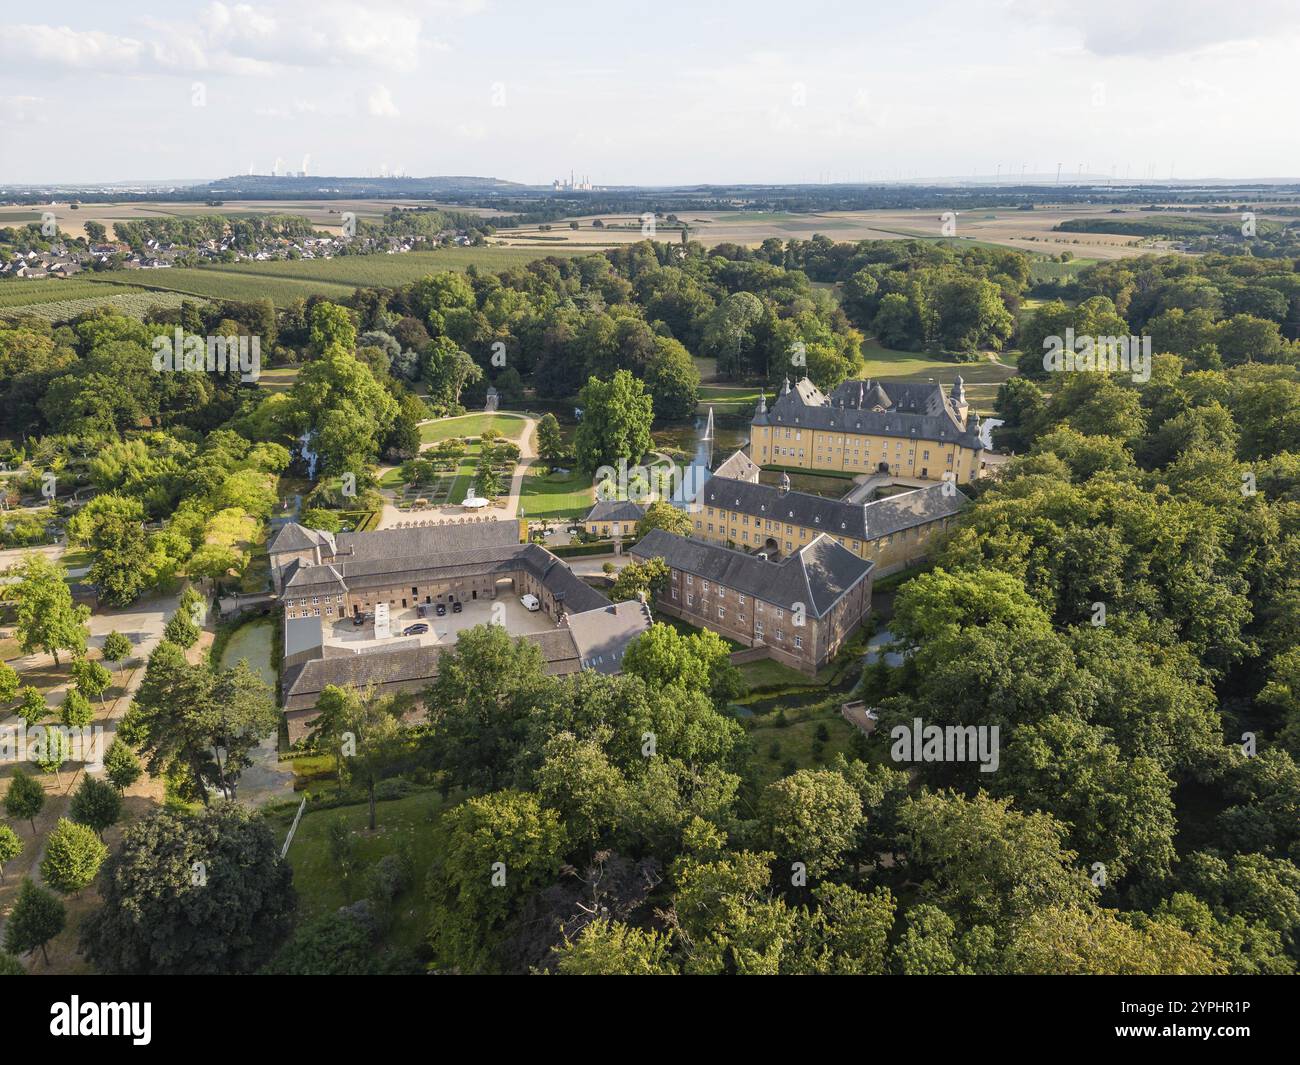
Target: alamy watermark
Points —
{"points": [[1093, 354], [919, 742], [191, 353], [34, 743]]}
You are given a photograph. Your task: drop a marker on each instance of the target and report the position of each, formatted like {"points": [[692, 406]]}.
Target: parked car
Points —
{"points": [[531, 602], [418, 629], [441, 610], [358, 620], [457, 607]]}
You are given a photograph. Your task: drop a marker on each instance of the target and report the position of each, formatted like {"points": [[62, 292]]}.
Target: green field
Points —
{"points": [[795, 740], [1046, 269], [58, 299], [555, 495], [280, 379], [734, 399], [510, 426], [407, 825], [982, 378], [286, 281]]}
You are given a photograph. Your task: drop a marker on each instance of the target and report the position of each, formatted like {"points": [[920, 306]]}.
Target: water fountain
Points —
{"points": [[700, 468]]}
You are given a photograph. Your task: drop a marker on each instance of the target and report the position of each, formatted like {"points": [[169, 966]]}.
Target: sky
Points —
{"points": [[650, 93]]}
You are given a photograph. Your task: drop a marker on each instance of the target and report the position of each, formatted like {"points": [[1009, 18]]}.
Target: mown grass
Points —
{"points": [[510, 426], [982, 378], [546, 495]]}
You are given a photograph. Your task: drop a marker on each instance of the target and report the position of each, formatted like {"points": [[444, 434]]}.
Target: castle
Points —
{"points": [[899, 428]]}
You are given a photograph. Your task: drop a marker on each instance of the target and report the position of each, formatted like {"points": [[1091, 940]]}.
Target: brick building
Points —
{"points": [[801, 608]]}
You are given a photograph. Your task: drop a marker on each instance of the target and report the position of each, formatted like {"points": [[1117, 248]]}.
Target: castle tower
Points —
{"points": [[958, 395]]}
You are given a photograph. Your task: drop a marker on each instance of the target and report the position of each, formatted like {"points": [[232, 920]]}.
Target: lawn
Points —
{"points": [[794, 742], [982, 378], [510, 426], [734, 399], [406, 825], [767, 673], [555, 495]]}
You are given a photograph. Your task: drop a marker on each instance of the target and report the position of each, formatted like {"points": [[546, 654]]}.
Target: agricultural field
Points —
{"points": [[286, 281], [1028, 231], [325, 215], [57, 299]]}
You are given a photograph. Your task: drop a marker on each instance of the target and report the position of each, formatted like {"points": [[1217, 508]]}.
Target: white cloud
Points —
{"points": [[1159, 27], [316, 34], [235, 39], [380, 103], [63, 47]]}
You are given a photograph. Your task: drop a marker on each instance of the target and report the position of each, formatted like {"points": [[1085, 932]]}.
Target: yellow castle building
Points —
{"points": [[899, 428]]}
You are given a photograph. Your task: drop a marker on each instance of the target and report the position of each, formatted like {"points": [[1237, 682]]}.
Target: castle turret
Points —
{"points": [[958, 396]]}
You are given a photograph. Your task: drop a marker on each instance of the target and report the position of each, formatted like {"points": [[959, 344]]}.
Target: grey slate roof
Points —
{"points": [[861, 521], [602, 635], [384, 564], [739, 466], [302, 634], [818, 575], [567, 587], [405, 665], [615, 510], [915, 411], [294, 537], [426, 540]]}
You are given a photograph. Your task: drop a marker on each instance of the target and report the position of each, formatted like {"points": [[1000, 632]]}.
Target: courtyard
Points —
{"points": [[505, 609]]}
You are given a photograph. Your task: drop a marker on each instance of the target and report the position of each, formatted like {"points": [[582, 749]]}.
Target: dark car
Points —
{"points": [[417, 629], [358, 620], [442, 610], [456, 607]]}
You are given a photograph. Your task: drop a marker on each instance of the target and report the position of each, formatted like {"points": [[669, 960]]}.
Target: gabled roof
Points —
{"points": [[861, 521], [615, 510], [738, 466], [409, 666], [896, 408], [294, 537], [575, 594], [818, 575], [426, 540], [602, 635]]}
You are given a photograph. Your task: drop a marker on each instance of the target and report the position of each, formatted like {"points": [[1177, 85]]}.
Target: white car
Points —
{"points": [[530, 602]]}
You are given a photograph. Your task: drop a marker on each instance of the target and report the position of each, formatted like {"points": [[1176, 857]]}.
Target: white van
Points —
{"points": [[530, 602]]}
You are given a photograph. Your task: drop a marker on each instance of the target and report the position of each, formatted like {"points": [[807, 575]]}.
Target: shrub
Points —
{"points": [[390, 877], [73, 855]]}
